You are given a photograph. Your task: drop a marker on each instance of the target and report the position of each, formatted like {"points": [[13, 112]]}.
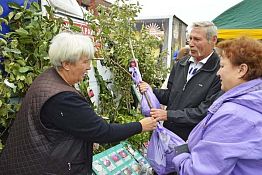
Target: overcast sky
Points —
{"points": [[187, 10]]}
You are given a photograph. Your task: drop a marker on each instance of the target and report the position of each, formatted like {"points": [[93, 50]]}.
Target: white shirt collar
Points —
{"points": [[203, 61], [194, 66]]}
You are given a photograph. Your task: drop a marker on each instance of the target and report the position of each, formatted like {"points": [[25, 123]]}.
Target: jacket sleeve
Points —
{"points": [[192, 116], [226, 140], [73, 115]]}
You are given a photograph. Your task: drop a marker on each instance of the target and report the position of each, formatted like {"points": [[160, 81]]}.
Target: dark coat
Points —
{"points": [[187, 102]]}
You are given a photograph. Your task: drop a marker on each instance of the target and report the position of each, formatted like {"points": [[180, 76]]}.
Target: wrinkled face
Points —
{"points": [[200, 47], [230, 75], [78, 70]]}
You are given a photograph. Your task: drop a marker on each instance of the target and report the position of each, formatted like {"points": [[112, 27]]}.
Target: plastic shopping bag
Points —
{"points": [[149, 99], [161, 150]]}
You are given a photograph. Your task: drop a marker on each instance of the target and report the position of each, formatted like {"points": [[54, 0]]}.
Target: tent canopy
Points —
{"points": [[245, 18]]}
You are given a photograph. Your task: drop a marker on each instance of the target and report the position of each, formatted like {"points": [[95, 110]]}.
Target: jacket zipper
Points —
{"points": [[184, 86], [69, 166], [189, 80], [185, 76]]}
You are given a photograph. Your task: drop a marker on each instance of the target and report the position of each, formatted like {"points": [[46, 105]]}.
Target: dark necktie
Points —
{"points": [[192, 71]]}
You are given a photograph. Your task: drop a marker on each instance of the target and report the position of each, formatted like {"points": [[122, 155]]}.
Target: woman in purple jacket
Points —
{"points": [[229, 139]]}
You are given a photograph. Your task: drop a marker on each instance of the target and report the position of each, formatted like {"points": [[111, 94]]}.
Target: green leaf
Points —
{"points": [[55, 29], [13, 50], [14, 5], [25, 3], [48, 9], [35, 5], [21, 31], [1, 10], [2, 121], [21, 62], [70, 21], [1, 145], [29, 80], [2, 41], [18, 15], [30, 26], [11, 15], [75, 28], [23, 69], [20, 85], [3, 20]]}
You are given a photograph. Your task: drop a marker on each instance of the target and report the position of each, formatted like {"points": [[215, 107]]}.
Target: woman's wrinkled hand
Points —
{"points": [[148, 124]]}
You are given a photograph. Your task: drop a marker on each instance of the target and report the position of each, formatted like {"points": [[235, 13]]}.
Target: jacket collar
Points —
{"points": [[240, 90], [211, 64]]}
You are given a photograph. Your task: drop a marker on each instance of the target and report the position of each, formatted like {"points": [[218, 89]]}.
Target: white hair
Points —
{"points": [[211, 29], [69, 46]]}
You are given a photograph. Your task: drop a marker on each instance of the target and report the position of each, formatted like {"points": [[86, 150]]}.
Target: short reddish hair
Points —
{"points": [[244, 50]]}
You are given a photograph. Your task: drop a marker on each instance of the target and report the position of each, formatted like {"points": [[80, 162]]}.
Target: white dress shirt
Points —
{"points": [[195, 66]]}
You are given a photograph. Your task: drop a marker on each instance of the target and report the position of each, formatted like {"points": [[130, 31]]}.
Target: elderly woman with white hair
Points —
{"points": [[55, 128]]}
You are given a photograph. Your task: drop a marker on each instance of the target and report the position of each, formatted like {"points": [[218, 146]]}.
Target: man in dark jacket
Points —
{"points": [[193, 84]]}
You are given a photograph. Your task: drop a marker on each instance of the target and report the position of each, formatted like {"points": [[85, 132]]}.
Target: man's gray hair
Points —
{"points": [[211, 29], [70, 46]]}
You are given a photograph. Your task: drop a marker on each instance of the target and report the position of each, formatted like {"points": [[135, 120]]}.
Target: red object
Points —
{"points": [[122, 154], [107, 162], [91, 93], [115, 158]]}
